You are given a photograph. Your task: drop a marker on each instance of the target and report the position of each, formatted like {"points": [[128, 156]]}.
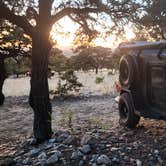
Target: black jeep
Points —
{"points": [[143, 82]]}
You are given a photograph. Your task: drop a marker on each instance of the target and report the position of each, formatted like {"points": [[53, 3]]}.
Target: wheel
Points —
{"points": [[127, 70], [2, 98], [126, 112]]}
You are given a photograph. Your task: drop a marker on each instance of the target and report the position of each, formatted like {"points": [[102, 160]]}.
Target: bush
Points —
{"points": [[68, 82], [99, 80]]}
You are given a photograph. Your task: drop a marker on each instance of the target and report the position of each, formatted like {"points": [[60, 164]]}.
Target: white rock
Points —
{"points": [[103, 159], [52, 140], [156, 152], [85, 149], [42, 156], [34, 152], [76, 155], [114, 149], [138, 162]]}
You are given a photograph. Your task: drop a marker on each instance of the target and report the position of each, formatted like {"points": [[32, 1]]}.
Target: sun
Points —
{"points": [[63, 31], [129, 34], [105, 42]]}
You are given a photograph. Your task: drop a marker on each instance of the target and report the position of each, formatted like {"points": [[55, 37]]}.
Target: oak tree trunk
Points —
{"points": [[2, 78], [39, 92], [96, 70]]}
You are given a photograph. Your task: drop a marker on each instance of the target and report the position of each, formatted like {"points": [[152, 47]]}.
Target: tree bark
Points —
{"points": [[39, 92], [96, 70], [2, 78]]}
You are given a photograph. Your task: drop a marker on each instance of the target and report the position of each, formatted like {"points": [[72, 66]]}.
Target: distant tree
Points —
{"points": [[57, 61], [116, 55], [13, 44], [82, 61], [93, 57], [22, 66], [36, 18]]}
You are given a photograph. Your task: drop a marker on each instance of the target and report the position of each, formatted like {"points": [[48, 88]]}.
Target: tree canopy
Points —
{"points": [[152, 24], [87, 13]]}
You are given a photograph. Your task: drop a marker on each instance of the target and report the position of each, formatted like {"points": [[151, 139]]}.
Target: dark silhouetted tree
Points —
{"points": [[152, 24]]}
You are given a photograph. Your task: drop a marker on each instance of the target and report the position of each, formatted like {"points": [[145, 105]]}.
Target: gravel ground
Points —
{"points": [[86, 129], [80, 123]]}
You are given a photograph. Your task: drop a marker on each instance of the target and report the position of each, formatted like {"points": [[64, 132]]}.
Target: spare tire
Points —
{"points": [[127, 70]]}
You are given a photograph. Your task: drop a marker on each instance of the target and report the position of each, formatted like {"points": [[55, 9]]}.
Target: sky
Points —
{"points": [[63, 32]]}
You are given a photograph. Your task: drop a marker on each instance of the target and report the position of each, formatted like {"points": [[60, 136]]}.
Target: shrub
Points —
{"points": [[68, 82], [99, 80]]}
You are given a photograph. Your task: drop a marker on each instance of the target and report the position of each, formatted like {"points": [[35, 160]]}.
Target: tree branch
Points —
{"points": [[15, 19], [31, 13], [69, 10]]}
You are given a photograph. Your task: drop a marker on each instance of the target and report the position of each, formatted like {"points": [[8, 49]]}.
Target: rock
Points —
{"points": [[156, 152], [70, 140], [81, 163], [102, 146], [94, 158], [160, 160], [64, 162], [138, 162], [115, 160], [29, 142], [90, 140], [150, 163], [84, 158], [76, 155], [85, 139], [126, 157], [86, 149], [62, 146], [20, 153], [53, 159], [59, 154], [27, 161], [49, 146], [34, 152], [108, 145], [42, 156], [103, 159], [52, 140], [42, 163], [62, 137], [94, 164], [132, 160], [114, 149], [17, 158]]}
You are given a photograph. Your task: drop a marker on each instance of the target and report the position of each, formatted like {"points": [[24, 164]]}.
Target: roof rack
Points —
{"points": [[140, 45]]}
